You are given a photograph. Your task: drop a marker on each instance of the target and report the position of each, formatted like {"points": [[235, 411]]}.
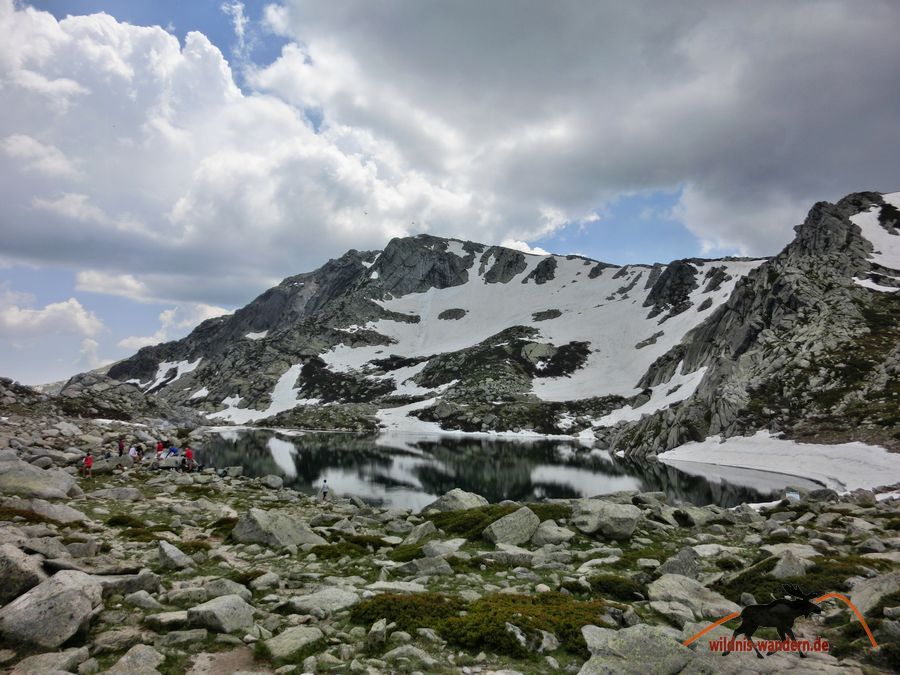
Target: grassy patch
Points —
{"points": [[338, 551], [364, 540], [261, 653], [145, 534], [617, 587], [484, 626], [245, 577], [471, 522], [406, 553], [7, 513], [551, 511], [417, 610], [825, 576], [124, 520], [194, 546]]}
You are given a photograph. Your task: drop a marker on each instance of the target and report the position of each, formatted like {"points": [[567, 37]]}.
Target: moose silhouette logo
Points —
{"points": [[778, 614]]}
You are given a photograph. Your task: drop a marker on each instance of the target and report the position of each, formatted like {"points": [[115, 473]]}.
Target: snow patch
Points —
{"points": [[678, 388], [182, 368], [257, 336], [284, 397], [200, 393], [886, 245], [867, 283], [843, 467]]}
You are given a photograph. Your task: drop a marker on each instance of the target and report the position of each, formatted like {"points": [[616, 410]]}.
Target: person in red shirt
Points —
{"points": [[87, 467], [188, 462]]}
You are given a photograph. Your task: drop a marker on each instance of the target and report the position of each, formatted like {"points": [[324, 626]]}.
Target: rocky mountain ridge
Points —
{"points": [[434, 333]]}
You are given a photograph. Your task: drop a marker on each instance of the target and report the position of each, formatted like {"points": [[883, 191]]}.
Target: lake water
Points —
{"points": [[412, 471]]}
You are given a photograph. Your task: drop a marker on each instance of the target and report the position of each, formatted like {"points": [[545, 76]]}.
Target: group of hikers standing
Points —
{"points": [[138, 454]]}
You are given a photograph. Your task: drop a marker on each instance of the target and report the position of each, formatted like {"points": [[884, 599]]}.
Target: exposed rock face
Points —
{"points": [[170, 557], [53, 611], [515, 528], [328, 600], [757, 347], [275, 529], [23, 479], [225, 614], [635, 650], [549, 532], [19, 572], [292, 641], [457, 500], [671, 290], [616, 521], [701, 601]]}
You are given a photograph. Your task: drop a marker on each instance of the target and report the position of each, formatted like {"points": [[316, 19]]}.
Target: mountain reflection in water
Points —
{"points": [[412, 471]]}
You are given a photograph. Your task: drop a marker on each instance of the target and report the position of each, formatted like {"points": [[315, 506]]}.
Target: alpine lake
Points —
{"points": [[411, 471]]}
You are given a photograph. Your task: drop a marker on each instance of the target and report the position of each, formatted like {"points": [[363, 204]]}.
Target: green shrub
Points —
{"points": [[144, 534], [551, 511], [406, 553], [417, 610], [484, 626], [471, 522], [338, 551], [194, 545], [364, 540], [223, 527], [617, 587], [124, 520]]}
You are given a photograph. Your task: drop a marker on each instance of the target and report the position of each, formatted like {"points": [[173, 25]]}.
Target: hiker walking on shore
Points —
{"points": [[87, 466], [324, 491]]}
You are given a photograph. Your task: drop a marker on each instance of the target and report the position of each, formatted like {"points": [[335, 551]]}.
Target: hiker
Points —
{"points": [[121, 445], [187, 464], [87, 466], [159, 449], [324, 490], [173, 452], [134, 454]]}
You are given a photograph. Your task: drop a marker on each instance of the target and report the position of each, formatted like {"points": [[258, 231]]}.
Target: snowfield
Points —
{"points": [[606, 312], [843, 467], [886, 245]]}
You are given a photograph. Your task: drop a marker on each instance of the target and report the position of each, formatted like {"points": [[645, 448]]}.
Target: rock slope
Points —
{"points": [[434, 333], [156, 571]]}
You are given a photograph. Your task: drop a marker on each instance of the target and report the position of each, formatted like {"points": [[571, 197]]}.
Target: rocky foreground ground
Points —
{"points": [[141, 571]]}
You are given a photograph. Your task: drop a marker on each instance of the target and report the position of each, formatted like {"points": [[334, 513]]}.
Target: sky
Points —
{"points": [[163, 162]]}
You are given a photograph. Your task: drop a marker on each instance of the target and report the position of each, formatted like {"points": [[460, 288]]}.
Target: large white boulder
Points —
{"points": [[53, 611], [457, 500], [614, 521], [224, 614], [275, 529], [515, 528]]}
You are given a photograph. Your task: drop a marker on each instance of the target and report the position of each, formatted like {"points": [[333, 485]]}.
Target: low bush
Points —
{"points": [[617, 587], [417, 610]]}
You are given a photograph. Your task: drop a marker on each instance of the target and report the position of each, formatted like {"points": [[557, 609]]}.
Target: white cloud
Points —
{"points": [[37, 156], [21, 323], [124, 285], [239, 21], [524, 247], [192, 191], [89, 356], [174, 323]]}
